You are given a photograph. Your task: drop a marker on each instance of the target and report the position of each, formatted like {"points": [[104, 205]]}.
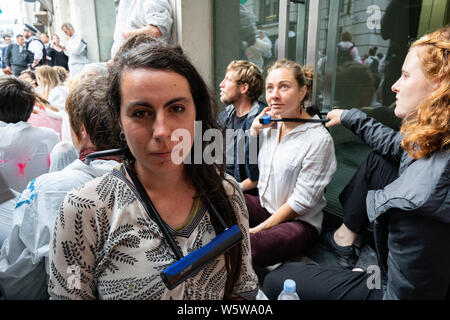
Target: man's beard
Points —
{"points": [[227, 100]]}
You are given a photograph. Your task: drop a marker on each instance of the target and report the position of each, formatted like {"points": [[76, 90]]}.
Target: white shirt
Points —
{"points": [[24, 152], [255, 52], [75, 50], [296, 170], [24, 266], [36, 47], [354, 52], [58, 96], [136, 14]]}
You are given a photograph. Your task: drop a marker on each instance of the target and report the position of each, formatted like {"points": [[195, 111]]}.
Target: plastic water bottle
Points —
{"points": [[289, 291]]}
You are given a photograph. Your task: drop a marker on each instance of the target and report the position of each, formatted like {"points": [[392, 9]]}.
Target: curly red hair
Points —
{"points": [[428, 129]]}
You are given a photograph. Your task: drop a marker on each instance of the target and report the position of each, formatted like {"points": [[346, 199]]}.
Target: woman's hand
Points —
{"points": [[256, 229], [335, 117], [256, 126]]}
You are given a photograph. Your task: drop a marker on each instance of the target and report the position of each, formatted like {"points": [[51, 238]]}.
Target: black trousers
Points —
{"points": [[324, 283], [375, 173], [321, 283]]}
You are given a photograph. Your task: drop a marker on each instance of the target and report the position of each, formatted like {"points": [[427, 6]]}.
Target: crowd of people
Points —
{"points": [[90, 224]]}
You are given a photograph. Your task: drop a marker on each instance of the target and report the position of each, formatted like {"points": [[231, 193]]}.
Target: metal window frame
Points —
{"points": [[331, 51], [283, 28], [313, 7]]}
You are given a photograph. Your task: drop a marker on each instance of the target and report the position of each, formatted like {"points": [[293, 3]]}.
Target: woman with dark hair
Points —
{"points": [[104, 232]]}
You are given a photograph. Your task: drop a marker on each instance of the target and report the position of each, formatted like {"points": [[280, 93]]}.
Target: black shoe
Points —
{"points": [[346, 255]]}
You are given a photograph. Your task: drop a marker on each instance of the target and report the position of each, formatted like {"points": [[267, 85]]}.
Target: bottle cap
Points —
{"points": [[289, 286]]}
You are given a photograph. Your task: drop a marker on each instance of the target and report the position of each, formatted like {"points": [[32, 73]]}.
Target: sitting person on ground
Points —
{"points": [[45, 115], [239, 90], [30, 77], [63, 74], [93, 69], [24, 264], [153, 90], [6, 208], [402, 187], [63, 154], [24, 149], [296, 162], [51, 87]]}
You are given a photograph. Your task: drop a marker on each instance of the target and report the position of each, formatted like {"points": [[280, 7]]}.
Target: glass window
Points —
{"points": [[244, 30], [361, 48], [269, 11]]}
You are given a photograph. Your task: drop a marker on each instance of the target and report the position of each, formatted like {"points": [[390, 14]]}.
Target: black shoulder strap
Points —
{"points": [[154, 215]]}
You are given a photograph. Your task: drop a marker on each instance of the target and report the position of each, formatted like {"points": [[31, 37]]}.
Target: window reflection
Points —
{"points": [[258, 30], [358, 62], [372, 40]]}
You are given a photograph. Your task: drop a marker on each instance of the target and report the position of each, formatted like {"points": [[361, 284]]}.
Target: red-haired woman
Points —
{"points": [[403, 188]]}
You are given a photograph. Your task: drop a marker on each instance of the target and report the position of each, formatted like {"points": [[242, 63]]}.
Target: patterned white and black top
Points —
{"points": [[104, 246]]}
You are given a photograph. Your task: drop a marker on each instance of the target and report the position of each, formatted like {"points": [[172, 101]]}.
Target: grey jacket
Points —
{"points": [[13, 56], [411, 215]]}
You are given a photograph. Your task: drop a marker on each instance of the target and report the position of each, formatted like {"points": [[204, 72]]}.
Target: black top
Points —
{"points": [[59, 58]]}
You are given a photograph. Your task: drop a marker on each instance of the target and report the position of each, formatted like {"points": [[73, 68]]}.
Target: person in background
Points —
{"points": [[45, 115], [16, 57], [239, 91], [153, 90], [50, 86], [24, 149], [24, 264], [258, 46], [63, 74], [57, 54], [399, 25], [76, 48], [34, 46], [402, 187], [93, 69], [46, 41], [347, 51], [152, 17], [30, 77], [296, 162], [7, 40], [373, 64]]}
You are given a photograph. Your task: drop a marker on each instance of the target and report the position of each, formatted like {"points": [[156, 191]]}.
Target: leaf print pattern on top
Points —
{"points": [[103, 230]]}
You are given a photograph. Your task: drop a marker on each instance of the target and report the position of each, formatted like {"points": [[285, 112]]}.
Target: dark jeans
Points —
{"points": [[320, 283], [316, 282], [375, 173], [280, 242]]}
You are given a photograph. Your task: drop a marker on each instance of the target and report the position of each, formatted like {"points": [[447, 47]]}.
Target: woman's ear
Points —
{"points": [[303, 91]]}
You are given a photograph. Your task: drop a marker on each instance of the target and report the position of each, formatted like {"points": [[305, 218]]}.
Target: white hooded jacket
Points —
{"points": [[24, 261]]}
